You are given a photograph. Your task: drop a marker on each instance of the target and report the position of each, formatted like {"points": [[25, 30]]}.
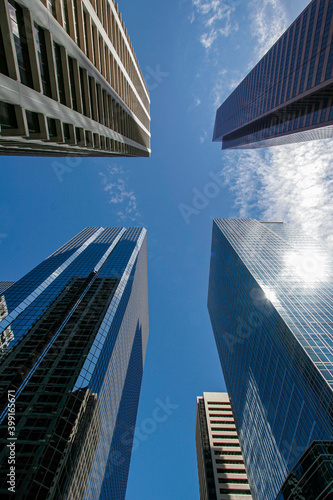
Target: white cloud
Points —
{"points": [[292, 183], [203, 136], [115, 184], [197, 101], [207, 39], [218, 93], [215, 16], [268, 22], [224, 85]]}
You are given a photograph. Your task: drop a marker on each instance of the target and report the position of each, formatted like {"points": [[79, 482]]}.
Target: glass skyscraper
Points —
{"points": [[288, 96], [270, 303], [74, 333]]}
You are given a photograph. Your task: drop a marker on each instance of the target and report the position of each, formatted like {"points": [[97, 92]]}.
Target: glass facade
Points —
{"points": [[73, 340], [270, 303], [288, 96], [312, 477]]}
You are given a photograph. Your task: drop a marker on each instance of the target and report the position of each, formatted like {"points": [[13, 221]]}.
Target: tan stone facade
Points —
{"points": [[70, 83], [222, 474]]}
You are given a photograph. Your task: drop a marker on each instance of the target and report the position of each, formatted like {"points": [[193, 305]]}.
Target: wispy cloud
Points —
{"points": [[203, 136], [268, 22], [292, 183], [216, 19], [226, 82], [114, 182]]}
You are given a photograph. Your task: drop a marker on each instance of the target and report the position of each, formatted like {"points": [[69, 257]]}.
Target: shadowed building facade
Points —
{"points": [[70, 83], [270, 303], [288, 96], [76, 329], [221, 469]]}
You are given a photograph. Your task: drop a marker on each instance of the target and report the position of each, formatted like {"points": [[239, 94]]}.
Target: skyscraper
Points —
{"points": [[221, 470], [71, 371], [288, 96], [270, 303], [70, 83]]}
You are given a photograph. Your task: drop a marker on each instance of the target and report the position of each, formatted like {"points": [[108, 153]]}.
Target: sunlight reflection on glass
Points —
{"points": [[270, 294], [308, 266]]}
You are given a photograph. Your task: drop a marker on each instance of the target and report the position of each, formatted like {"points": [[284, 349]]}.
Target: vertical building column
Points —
{"points": [[100, 103], [102, 55], [78, 6], [93, 98], [71, 20], [51, 65], [111, 122], [79, 95], [88, 34], [107, 64], [65, 75], [106, 109], [96, 47], [29, 29]]}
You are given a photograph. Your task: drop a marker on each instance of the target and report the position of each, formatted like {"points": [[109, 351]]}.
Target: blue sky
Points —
{"points": [[192, 54]]}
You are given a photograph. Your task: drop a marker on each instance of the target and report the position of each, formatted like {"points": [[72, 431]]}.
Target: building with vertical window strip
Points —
{"points": [[70, 83], [221, 470], [270, 302], [74, 333], [288, 96]]}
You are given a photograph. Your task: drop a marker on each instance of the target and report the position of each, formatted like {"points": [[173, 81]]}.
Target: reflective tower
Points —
{"points": [[76, 330], [270, 303], [288, 96]]}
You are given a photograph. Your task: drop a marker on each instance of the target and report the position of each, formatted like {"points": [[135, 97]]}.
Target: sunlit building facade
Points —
{"points": [[288, 96], [221, 470], [270, 303], [74, 363], [70, 83]]}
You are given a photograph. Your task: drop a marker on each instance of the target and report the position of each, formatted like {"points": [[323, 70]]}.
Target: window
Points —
{"points": [[67, 128], [96, 141], [7, 116], [42, 59], [72, 83], [231, 471], [65, 15], [20, 40], [3, 61], [76, 20], [83, 93], [33, 122], [51, 6], [51, 124], [58, 64], [89, 140]]}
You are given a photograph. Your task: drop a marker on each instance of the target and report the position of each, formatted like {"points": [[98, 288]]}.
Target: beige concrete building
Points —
{"points": [[221, 469], [70, 83]]}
